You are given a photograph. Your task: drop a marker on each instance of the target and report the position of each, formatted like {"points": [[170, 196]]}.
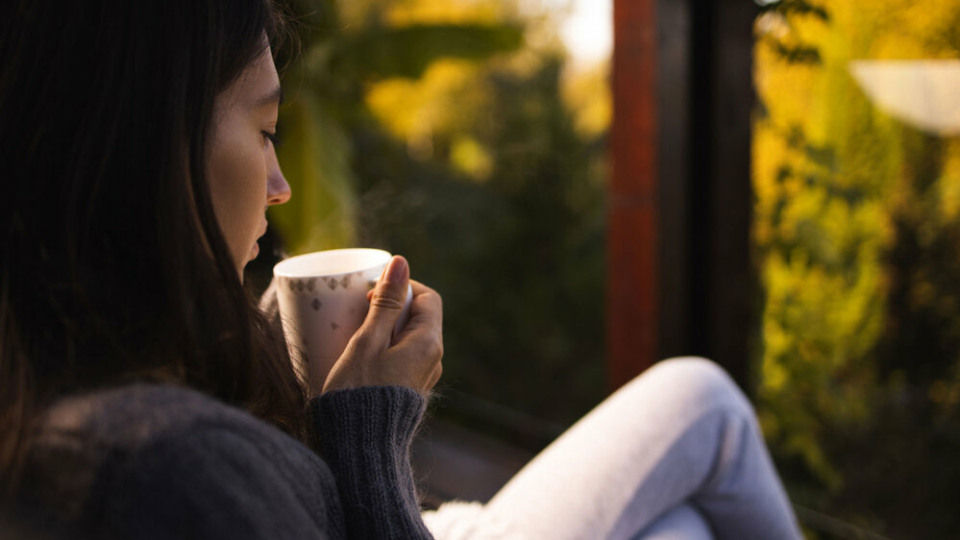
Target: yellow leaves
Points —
{"points": [[405, 12], [412, 109], [395, 104], [443, 11], [775, 78], [948, 185], [587, 93], [438, 104], [777, 342], [829, 172], [471, 158], [892, 29]]}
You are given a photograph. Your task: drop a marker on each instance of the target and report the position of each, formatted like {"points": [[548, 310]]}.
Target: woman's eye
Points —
{"points": [[272, 137]]}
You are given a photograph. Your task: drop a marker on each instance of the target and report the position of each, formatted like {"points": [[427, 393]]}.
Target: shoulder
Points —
{"points": [[135, 414], [140, 420], [164, 456]]}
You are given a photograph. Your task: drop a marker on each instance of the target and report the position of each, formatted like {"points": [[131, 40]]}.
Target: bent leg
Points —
{"points": [[682, 523], [680, 433]]}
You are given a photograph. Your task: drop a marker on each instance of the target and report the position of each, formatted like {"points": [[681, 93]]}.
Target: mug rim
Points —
{"points": [[280, 269]]}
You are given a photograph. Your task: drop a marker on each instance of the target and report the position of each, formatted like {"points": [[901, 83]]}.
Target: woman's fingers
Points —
{"points": [[415, 359], [427, 307], [426, 315], [387, 302]]}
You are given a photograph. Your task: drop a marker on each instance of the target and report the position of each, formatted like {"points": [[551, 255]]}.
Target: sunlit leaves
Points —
{"points": [[326, 86], [857, 235]]}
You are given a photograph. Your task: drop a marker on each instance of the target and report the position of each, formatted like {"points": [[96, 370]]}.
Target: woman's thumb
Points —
{"points": [[388, 298]]}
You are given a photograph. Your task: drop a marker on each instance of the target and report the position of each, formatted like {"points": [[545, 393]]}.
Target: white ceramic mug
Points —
{"points": [[322, 298]]}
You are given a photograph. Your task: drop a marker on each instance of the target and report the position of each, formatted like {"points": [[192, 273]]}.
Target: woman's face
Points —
{"points": [[242, 166]]}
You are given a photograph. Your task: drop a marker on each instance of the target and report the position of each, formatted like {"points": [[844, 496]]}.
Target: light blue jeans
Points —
{"points": [[675, 454]]}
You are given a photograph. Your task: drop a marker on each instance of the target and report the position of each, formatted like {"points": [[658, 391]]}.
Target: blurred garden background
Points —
{"points": [[468, 136], [464, 136]]}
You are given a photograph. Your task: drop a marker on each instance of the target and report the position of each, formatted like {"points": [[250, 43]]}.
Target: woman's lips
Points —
{"points": [[255, 249]]}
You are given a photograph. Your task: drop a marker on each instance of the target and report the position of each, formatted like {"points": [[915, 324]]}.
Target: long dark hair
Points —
{"points": [[106, 273]]}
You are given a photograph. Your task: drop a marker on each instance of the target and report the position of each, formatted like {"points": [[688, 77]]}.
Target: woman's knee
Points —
{"points": [[696, 381]]}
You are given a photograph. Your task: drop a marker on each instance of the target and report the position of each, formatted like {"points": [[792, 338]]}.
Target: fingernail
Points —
{"points": [[398, 270]]}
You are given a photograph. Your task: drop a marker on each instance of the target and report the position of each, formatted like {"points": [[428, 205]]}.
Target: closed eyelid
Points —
{"points": [[273, 138]]}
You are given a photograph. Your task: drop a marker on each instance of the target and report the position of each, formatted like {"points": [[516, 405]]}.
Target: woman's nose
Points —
{"points": [[278, 190]]}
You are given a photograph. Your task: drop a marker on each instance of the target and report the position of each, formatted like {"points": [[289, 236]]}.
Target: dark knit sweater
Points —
{"points": [[164, 462]]}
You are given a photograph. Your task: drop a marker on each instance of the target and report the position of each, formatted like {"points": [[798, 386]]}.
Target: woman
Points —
{"points": [[143, 396]]}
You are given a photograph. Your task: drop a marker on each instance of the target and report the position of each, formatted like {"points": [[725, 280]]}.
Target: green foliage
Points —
{"points": [[497, 202], [408, 51], [857, 235], [325, 104], [316, 162], [788, 50]]}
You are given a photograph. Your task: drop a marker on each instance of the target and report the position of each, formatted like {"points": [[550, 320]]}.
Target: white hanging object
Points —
{"points": [[922, 93]]}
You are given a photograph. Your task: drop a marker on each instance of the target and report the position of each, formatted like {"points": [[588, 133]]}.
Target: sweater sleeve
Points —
{"points": [[365, 435]]}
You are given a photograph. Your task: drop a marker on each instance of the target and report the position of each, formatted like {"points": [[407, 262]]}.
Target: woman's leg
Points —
{"points": [[682, 433], [682, 523]]}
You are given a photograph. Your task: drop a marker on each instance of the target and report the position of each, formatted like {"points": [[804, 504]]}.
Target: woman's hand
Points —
{"points": [[413, 359]]}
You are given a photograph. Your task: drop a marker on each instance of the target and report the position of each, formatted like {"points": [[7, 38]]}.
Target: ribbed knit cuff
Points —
{"points": [[365, 435], [368, 416]]}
